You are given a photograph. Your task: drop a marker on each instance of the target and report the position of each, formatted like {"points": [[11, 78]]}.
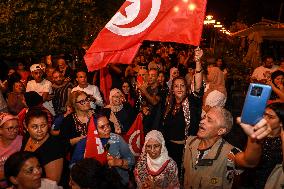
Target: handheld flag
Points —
{"points": [[94, 147], [135, 136]]}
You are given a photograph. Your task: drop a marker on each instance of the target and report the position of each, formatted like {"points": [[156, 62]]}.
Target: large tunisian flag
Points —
{"points": [[137, 20]]}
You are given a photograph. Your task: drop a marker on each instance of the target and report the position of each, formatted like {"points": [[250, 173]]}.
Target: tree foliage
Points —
{"points": [[41, 27]]}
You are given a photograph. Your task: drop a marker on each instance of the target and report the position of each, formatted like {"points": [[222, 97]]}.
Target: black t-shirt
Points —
{"points": [[174, 125], [68, 128], [125, 116], [52, 149]]}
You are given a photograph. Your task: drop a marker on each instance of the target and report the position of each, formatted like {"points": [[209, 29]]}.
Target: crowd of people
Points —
{"points": [[45, 116]]}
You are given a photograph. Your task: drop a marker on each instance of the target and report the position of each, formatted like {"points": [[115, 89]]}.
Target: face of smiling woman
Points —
{"points": [[153, 148]]}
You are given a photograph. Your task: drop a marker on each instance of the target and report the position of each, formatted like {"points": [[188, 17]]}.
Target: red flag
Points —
{"points": [[135, 136], [105, 83], [137, 20], [94, 147]]}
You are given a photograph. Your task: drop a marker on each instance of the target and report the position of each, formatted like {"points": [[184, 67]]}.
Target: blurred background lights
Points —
{"points": [[192, 6], [176, 8]]}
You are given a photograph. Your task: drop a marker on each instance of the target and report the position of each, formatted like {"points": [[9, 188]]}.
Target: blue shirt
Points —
{"points": [[118, 149]]}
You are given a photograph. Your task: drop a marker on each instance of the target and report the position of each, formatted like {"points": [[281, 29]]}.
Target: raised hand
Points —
{"points": [[198, 52], [259, 131]]}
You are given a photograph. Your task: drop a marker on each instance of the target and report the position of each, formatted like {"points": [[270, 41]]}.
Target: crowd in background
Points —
{"points": [[46, 108]]}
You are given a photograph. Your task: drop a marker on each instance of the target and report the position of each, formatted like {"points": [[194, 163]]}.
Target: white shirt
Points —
{"points": [[262, 72], [92, 90], [40, 88]]}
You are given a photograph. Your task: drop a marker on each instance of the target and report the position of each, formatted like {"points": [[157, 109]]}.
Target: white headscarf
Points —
{"points": [[155, 164]]}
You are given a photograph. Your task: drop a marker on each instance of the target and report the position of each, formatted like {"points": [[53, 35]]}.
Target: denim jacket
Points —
{"points": [[118, 149]]}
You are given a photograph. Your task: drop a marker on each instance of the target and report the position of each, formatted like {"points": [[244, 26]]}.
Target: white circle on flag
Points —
{"points": [[134, 143], [132, 12]]}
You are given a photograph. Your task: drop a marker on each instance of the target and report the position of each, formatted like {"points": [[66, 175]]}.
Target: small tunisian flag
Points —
{"points": [[135, 136], [178, 21], [94, 147]]}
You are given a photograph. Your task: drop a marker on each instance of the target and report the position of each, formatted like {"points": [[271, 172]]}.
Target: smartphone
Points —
{"points": [[255, 103], [140, 80]]}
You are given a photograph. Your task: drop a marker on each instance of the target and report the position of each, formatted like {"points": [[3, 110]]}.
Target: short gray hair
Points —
{"points": [[225, 117]]}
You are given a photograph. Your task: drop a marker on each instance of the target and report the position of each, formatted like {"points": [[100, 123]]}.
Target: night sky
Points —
{"points": [[228, 11]]}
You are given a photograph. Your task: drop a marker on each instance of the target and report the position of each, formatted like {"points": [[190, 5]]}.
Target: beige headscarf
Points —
{"points": [[156, 164], [111, 94]]}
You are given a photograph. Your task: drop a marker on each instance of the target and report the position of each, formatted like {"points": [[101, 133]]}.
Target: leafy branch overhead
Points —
{"points": [[36, 28]]}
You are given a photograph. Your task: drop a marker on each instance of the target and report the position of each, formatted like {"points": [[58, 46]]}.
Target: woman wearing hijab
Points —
{"points": [[120, 114], [215, 91], [155, 169]]}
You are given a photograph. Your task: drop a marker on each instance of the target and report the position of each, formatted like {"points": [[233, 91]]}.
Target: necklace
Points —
{"points": [[116, 108], [33, 145]]}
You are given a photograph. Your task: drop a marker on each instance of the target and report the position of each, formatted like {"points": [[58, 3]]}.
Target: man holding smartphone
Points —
{"points": [[210, 161]]}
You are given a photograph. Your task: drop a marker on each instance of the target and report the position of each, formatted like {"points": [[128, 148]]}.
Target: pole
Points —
{"points": [[280, 12]]}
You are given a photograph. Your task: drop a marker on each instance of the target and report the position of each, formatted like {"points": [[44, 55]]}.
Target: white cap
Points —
{"points": [[35, 67]]}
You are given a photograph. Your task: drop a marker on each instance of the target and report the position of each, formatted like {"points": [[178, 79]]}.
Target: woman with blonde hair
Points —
{"points": [[75, 126]]}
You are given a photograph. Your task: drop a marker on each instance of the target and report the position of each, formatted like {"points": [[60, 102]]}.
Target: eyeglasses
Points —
{"points": [[104, 127], [12, 128], [82, 102], [32, 170]]}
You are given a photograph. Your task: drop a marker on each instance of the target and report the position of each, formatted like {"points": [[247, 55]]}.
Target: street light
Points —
{"points": [[218, 25], [209, 17], [209, 20]]}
